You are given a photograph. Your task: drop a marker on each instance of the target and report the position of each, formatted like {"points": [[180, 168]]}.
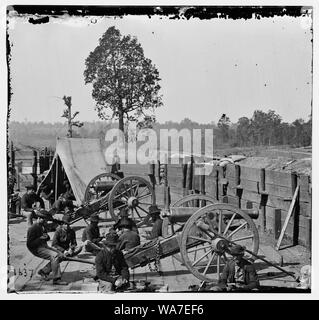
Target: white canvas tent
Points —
{"points": [[82, 160]]}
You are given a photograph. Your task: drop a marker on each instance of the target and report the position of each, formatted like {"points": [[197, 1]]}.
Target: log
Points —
{"points": [[290, 212]]}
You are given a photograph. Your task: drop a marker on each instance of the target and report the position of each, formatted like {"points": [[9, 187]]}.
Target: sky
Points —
{"points": [[207, 67]]}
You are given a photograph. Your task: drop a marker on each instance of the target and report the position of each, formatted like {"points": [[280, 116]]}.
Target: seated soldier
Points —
{"points": [[123, 214], [111, 269], [64, 239], [28, 202], [156, 231], [68, 193], [37, 238], [47, 194], [238, 273], [128, 238], [61, 204], [91, 236]]}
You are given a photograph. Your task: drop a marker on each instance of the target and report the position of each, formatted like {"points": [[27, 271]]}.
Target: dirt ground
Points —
{"points": [[175, 277]]}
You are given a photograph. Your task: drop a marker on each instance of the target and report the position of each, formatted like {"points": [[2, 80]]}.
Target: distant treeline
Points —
{"points": [[263, 128]]}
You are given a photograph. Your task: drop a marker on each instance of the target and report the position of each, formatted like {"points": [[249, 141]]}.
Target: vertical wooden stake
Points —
{"points": [[263, 205], [189, 177], [56, 177], [184, 180], [202, 181], [159, 172], [216, 183], [277, 223], [151, 174], [34, 169], [237, 180], [309, 233]]}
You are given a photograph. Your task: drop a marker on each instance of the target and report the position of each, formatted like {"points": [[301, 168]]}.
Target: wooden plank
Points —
{"points": [[246, 184], [306, 234], [230, 171], [278, 178], [175, 181], [284, 192], [277, 223], [175, 170], [305, 188], [290, 212], [272, 201], [209, 185], [248, 173]]}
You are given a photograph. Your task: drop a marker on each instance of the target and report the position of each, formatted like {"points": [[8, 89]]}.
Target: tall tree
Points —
{"points": [[125, 82]]}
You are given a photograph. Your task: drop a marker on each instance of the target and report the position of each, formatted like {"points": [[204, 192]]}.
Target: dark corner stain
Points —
{"points": [[39, 21]]}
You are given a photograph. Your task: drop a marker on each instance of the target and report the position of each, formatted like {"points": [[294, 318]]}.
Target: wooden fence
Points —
{"points": [[268, 191]]}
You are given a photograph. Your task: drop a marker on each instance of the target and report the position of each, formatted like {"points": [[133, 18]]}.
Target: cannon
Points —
{"points": [[198, 232], [203, 242], [108, 193]]}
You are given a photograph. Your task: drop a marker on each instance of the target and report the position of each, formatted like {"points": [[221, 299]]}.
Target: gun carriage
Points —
{"points": [[108, 193], [197, 231]]}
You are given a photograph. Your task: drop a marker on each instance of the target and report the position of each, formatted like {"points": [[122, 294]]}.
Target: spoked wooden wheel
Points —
{"points": [[175, 223], [204, 239], [134, 193], [100, 186]]}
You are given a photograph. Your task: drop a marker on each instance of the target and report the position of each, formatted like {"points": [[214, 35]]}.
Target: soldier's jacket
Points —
{"points": [[92, 233], [128, 240], [63, 239], [28, 200], [156, 229], [104, 263], [250, 278]]}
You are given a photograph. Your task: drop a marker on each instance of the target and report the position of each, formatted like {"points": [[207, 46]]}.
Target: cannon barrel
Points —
{"points": [[182, 214]]}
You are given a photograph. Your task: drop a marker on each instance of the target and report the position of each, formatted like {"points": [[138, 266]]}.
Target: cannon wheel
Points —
{"points": [[91, 192], [191, 200], [134, 193], [198, 247]]}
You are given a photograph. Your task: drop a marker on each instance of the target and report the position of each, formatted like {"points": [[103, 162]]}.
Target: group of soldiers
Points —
{"points": [[112, 272]]}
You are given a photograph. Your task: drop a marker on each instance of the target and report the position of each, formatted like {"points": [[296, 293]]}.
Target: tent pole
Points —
{"points": [[56, 178]]}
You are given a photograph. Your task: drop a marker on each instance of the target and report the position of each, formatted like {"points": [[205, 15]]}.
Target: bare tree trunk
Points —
{"points": [[121, 122], [69, 122], [121, 116]]}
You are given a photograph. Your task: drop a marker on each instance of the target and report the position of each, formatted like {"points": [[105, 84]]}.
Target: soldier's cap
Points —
{"points": [[111, 239], [44, 214], [30, 187], [125, 223], [153, 209], [237, 250], [94, 218]]}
